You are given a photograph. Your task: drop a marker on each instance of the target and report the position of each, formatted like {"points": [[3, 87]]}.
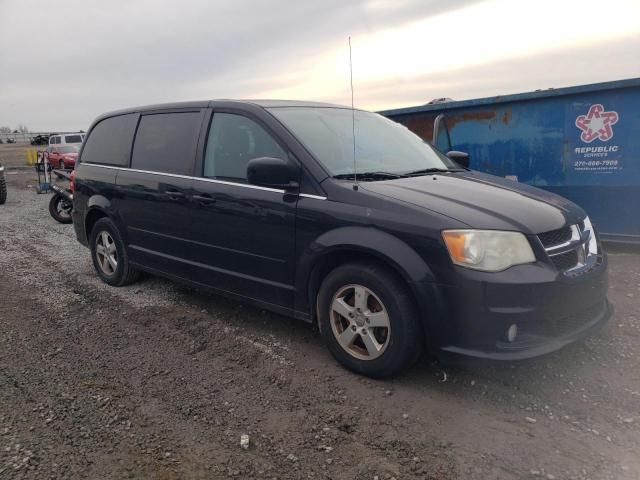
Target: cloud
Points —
{"points": [[65, 64], [571, 66]]}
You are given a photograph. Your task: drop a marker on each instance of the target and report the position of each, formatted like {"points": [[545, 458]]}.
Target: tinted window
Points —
{"points": [[109, 142], [233, 141], [166, 142], [73, 139]]}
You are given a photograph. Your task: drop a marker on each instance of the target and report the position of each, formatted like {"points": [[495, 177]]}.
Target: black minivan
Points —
{"points": [[340, 217]]}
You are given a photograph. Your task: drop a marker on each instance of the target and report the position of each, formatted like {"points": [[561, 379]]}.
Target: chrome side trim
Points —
{"points": [[187, 177], [245, 185], [126, 169], [202, 179], [308, 195]]}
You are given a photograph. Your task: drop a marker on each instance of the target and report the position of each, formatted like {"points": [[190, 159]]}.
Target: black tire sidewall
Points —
{"points": [[53, 210], [405, 342], [3, 189], [118, 278]]}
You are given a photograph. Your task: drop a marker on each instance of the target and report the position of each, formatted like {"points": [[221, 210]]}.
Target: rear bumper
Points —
{"points": [[549, 310], [78, 227]]}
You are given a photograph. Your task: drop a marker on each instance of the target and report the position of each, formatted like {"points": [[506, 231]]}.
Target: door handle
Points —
{"points": [[175, 194], [204, 200]]}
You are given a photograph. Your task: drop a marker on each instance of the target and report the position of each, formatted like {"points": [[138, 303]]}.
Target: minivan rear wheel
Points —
{"points": [[109, 255], [368, 319]]}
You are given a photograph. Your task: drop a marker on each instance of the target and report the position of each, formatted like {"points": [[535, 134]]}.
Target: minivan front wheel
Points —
{"points": [[368, 319], [109, 256]]}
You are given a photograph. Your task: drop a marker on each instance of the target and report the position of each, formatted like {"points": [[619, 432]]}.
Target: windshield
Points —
{"points": [[68, 149], [381, 145]]}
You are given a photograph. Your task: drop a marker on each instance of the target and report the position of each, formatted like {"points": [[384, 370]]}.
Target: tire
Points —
{"points": [[396, 347], [3, 188], [104, 234], [60, 209]]}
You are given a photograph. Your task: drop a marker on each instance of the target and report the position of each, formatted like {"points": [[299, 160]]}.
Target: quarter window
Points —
{"points": [[166, 142], [233, 141], [109, 142]]}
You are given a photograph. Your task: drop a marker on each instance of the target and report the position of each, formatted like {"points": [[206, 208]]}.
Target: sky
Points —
{"points": [[62, 63]]}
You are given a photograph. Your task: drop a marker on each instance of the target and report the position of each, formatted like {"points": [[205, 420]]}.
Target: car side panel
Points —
{"points": [[95, 185]]}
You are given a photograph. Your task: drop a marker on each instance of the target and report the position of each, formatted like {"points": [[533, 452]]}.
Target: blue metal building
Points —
{"points": [[580, 142]]}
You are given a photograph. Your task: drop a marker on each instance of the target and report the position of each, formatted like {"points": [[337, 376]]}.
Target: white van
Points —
{"points": [[66, 138]]}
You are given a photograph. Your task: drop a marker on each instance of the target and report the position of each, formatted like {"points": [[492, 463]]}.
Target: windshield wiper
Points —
{"points": [[369, 176], [426, 171]]}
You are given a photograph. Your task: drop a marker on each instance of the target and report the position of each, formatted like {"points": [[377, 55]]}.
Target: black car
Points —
{"points": [[389, 245], [40, 140]]}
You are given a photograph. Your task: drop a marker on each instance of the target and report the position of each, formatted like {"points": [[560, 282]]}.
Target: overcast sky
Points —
{"points": [[64, 62]]}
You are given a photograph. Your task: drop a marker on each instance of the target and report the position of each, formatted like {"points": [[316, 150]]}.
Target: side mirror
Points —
{"points": [[272, 172], [461, 158]]}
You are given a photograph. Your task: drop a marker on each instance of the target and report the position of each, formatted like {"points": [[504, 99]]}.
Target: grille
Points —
{"points": [[555, 237], [565, 261], [567, 249]]}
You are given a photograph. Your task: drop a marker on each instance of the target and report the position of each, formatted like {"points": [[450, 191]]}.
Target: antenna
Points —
{"points": [[353, 122]]}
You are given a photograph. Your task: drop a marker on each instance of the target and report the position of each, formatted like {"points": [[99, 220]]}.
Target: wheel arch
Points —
{"points": [[98, 207], [348, 244], [93, 215]]}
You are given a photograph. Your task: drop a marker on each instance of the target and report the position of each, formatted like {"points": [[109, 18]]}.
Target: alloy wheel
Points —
{"points": [[106, 253], [64, 208], [360, 322]]}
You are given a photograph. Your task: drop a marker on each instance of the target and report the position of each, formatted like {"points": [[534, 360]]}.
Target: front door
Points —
{"points": [[243, 235]]}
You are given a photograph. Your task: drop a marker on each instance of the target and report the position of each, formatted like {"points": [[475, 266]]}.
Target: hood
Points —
{"points": [[70, 155], [483, 201]]}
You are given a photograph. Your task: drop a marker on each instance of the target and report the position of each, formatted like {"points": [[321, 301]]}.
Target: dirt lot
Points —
{"points": [[157, 380]]}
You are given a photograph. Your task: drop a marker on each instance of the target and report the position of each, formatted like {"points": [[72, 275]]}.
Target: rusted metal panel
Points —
{"points": [[580, 142]]}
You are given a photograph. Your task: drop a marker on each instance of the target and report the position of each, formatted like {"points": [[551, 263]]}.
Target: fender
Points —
{"points": [[99, 201], [369, 240], [102, 203]]}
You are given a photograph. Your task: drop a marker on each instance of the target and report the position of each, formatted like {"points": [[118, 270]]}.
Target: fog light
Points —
{"points": [[512, 332]]}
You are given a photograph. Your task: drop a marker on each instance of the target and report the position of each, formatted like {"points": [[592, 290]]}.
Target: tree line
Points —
{"points": [[19, 129]]}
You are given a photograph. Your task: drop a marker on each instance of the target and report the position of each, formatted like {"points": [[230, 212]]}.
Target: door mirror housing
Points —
{"points": [[273, 172], [461, 158]]}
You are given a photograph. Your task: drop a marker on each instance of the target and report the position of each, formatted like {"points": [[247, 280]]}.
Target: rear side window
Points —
{"points": [[166, 142], [109, 142], [73, 139]]}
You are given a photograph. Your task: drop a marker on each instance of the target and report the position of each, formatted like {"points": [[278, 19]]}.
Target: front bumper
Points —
{"points": [[550, 310]]}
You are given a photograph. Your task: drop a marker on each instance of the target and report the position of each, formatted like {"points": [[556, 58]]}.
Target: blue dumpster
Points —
{"points": [[580, 142]]}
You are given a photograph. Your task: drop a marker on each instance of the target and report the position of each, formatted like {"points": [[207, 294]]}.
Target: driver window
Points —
{"points": [[233, 141]]}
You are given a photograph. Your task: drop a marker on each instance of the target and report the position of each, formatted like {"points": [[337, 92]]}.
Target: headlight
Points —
{"points": [[593, 243], [488, 250]]}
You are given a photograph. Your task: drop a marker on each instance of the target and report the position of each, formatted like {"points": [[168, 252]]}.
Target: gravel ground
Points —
{"points": [[157, 380]]}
